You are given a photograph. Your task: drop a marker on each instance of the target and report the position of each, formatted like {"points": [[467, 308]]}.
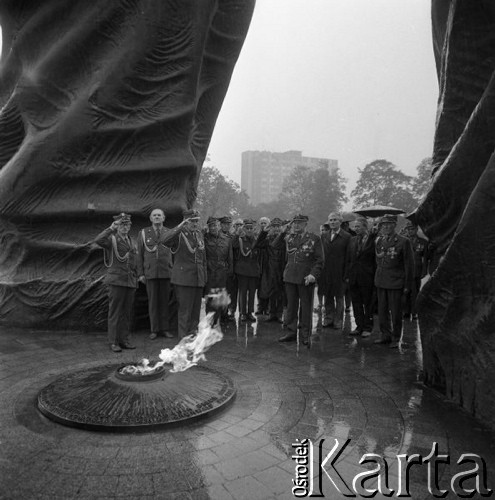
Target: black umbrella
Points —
{"points": [[378, 210]]}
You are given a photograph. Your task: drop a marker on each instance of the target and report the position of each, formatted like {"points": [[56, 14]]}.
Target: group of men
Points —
{"points": [[280, 262]]}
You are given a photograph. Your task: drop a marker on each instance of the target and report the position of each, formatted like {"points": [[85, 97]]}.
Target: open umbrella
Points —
{"points": [[348, 216], [378, 210]]}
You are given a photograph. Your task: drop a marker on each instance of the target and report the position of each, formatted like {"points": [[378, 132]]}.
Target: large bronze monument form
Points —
{"points": [[457, 308], [106, 106]]}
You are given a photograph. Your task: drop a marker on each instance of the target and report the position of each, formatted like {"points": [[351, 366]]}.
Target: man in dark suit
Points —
{"points": [[155, 269], [304, 264], [335, 245], [120, 258], [393, 278], [360, 275], [189, 270]]}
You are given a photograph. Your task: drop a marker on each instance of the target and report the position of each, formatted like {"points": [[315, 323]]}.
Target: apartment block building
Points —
{"points": [[263, 172]]}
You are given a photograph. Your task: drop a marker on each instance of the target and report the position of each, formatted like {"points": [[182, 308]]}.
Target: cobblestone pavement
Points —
{"points": [[343, 388]]}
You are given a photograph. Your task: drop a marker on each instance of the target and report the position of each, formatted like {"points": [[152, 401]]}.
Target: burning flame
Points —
{"points": [[191, 349]]}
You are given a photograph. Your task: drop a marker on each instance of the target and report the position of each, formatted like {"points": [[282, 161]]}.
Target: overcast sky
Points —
{"points": [[352, 80]]}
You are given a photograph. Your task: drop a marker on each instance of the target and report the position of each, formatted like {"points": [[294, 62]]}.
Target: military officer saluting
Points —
{"points": [[393, 278], [120, 258], [189, 270], [155, 269], [219, 259], [304, 265]]}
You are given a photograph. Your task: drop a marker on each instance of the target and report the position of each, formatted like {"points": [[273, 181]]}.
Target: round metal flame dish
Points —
{"points": [[159, 372], [97, 399]]}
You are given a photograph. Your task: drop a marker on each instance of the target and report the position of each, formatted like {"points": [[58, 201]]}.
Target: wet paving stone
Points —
{"points": [[343, 388]]}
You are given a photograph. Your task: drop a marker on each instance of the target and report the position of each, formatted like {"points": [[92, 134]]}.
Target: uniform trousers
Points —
{"points": [[390, 313], [232, 289], [158, 290], [362, 298], [299, 303], [120, 313], [247, 291], [189, 308], [411, 296]]}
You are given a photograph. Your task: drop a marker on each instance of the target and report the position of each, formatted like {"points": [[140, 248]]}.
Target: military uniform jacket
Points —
{"points": [[394, 262], [419, 246], [219, 259], [361, 261], [304, 256], [154, 258], [120, 258], [188, 249], [246, 262]]}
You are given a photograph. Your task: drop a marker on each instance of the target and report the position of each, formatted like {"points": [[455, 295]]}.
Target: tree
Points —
{"points": [[314, 193], [423, 179], [382, 183], [218, 196]]}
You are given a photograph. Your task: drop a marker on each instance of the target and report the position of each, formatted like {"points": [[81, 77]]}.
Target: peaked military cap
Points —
{"points": [[123, 218], [211, 220], [225, 220], [248, 222], [277, 222], [191, 214], [300, 218], [388, 218]]}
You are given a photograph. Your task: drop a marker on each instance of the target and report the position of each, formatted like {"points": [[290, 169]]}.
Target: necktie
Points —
{"points": [[333, 236]]}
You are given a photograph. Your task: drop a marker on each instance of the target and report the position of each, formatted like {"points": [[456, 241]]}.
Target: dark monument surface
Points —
{"points": [[100, 399], [457, 305], [106, 106]]}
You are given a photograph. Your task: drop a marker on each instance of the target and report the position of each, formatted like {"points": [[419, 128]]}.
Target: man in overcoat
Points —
{"points": [[393, 278], [189, 272], [120, 258], [360, 275], [335, 245], [155, 270], [304, 264]]}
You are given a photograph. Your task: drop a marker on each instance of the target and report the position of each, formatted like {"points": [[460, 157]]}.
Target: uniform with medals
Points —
{"points": [[247, 269], [155, 264], [188, 272], [219, 259], [304, 258], [419, 246], [120, 258], [394, 274]]}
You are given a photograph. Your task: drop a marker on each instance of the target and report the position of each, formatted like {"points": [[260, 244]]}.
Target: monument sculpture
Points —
{"points": [[106, 107], [457, 305], [109, 106]]}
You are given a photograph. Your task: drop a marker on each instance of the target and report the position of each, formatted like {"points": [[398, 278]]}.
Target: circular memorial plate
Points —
{"points": [[95, 398]]}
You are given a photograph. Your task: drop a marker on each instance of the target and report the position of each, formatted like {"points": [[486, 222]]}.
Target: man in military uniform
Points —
{"points": [[419, 246], [155, 269], [120, 258], [189, 270], [247, 268], [304, 265], [232, 286], [335, 245], [393, 278], [219, 259], [263, 285]]}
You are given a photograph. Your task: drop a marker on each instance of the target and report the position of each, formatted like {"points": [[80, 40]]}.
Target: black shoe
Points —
{"points": [[250, 317], [115, 348], [167, 335], [290, 337], [126, 345]]}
